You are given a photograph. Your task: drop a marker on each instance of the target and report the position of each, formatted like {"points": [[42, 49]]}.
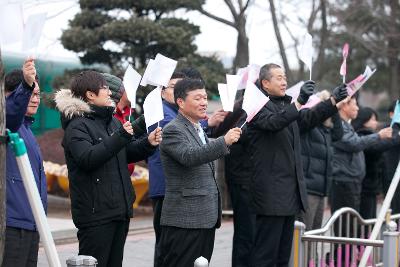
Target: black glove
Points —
{"points": [[340, 93], [306, 90], [139, 126]]}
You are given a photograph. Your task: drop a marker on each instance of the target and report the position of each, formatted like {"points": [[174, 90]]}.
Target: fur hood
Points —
{"points": [[69, 105]]}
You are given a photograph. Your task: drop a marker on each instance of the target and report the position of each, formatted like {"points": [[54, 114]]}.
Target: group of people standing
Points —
{"points": [[279, 166]]}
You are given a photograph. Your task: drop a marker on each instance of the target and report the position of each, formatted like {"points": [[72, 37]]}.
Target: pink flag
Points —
{"points": [[345, 53]]}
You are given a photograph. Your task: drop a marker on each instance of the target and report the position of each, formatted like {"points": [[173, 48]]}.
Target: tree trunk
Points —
{"points": [[2, 165], [393, 49], [280, 43], [320, 65], [242, 46]]}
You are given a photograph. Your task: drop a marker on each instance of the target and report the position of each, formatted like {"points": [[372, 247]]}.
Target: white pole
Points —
{"points": [[35, 202], [381, 216]]}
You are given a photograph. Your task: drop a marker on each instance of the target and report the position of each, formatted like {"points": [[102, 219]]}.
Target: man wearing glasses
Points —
{"points": [[22, 101]]}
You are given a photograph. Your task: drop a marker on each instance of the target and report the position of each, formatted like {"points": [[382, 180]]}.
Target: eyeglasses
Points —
{"points": [[37, 95]]}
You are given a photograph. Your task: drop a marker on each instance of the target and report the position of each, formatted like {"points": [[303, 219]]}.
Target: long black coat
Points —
{"points": [[97, 151], [278, 187]]}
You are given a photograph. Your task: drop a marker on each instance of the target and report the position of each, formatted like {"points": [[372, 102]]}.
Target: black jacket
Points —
{"points": [[277, 186], [97, 150], [316, 152], [374, 162]]}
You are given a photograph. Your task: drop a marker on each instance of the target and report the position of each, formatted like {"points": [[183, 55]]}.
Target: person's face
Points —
{"points": [[351, 109], [372, 123], [34, 101], [276, 86], [168, 92], [102, 99], [195, 105]]}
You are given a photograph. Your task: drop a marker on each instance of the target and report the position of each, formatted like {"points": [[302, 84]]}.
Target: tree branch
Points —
{"points": [[212, 16], [232, 9]]}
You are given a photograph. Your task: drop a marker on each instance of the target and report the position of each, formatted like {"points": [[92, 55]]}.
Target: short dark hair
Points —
{"points": [[192, 73], [176, 75], [265, 71], [13, 79], [87, 80], [186, 85]]}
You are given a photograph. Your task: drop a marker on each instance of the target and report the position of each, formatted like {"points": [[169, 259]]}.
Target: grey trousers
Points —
{"points": [[312, 218]]}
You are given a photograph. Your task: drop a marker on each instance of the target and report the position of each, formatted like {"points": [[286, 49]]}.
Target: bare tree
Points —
{"points": [[238, 11], [282, 48], [2, 164], [321, 34]]}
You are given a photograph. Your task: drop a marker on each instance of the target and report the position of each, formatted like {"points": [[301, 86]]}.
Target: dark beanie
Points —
{"points": [[363, 116], [115, 85]]}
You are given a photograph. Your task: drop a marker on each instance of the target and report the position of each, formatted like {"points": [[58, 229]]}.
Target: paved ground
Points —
{"points": [[139, 248]]}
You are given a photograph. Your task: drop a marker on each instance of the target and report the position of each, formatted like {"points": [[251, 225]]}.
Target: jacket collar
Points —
{"points": [[189, 125], [172, 106], [285, 98]]}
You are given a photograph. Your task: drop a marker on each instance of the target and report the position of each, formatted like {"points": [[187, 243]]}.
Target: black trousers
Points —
{"points": [[21, 248], [181, 247], [345, 194], [273, 242], [157, 208], [244, 225], [104, 242], [368, 205]]}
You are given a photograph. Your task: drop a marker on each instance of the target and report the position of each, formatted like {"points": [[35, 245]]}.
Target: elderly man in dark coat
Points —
{"points": [[278, 188]]}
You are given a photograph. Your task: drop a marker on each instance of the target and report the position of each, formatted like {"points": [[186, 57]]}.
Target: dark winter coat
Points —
{"points": [[19, 212], [97, 151], [278, 187], [374, 162], [316, 152]]}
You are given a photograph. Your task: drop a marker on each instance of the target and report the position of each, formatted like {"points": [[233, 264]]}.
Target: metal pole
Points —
{"points": [[297, 254], [381, 216], [35, 202], [390, 246]]}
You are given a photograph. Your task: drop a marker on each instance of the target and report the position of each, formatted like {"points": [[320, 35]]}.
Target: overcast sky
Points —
{"points": [[214, 37]]}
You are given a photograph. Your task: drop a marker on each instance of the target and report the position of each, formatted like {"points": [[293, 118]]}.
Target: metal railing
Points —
{"points": [[342, 241]]}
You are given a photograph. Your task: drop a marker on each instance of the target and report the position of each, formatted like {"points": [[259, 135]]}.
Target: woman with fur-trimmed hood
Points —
{"points": [[97, 149]]}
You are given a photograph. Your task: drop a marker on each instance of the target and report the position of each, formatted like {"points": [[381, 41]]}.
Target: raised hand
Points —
{"points": [[216, 118], [340, 93], [155, 137], [306, 90], [232, 136], [128, 127], [29, 71]]}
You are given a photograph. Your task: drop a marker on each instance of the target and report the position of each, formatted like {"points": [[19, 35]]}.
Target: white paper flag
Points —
{"points": [[162, 70], [306, 51], [223, 94], [152, 107], [294, 91], [232, 83], [131, 83], [249, 73], [33, 31], [11, 23], [147, 73], [253, 101]]}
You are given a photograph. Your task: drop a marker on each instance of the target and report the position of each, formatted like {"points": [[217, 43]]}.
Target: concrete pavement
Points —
{"points": [[139, 247]]}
